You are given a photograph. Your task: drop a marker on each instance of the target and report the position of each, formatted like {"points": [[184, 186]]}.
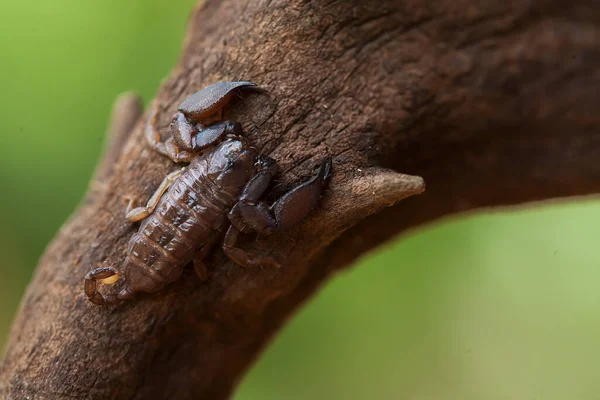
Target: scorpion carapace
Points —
{"points": [[217, 195]]}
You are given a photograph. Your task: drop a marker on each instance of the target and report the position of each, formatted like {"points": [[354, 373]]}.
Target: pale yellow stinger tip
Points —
{"points": [[110, 280]]}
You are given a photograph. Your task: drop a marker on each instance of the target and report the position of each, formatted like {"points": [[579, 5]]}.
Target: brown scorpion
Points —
{"points": [[218, 193]]}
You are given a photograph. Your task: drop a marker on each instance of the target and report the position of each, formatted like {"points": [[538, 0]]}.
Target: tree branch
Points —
{"points": [[493, 104]]}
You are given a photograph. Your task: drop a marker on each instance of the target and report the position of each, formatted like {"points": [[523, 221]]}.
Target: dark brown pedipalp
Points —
{"points": [[211, 99]]}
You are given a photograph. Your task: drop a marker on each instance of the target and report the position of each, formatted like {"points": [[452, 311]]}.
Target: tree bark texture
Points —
{"points": [[491, 103]]}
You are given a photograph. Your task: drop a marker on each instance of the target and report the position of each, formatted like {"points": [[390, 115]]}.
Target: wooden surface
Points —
{"points": [[491, 103]]}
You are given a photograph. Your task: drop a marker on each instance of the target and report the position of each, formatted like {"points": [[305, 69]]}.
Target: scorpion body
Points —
{"points": [[217, 195]]}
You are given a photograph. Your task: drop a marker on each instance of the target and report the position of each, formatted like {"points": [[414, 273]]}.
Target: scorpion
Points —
{"points": [[218, 195]]}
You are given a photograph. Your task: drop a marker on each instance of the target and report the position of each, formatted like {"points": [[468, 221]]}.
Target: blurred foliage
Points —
{"points": [[502, 306]]}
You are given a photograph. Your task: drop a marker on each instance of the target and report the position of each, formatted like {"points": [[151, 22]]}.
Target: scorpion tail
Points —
{"points": [[107, 276]]}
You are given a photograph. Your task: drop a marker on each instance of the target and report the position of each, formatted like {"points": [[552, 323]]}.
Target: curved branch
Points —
{"points": [[491, 105]]}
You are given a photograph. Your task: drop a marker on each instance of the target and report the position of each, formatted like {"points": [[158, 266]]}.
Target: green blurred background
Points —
{"points": [[502, 306]]}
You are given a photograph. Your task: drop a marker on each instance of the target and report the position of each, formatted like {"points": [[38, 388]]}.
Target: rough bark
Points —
{"points": [[492, 103]]}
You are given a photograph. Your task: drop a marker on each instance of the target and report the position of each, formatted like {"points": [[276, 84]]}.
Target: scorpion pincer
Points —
{"points": [[218, 194]]}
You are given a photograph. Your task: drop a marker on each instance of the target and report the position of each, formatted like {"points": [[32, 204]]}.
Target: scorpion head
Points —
{"points": [[231, 164]]}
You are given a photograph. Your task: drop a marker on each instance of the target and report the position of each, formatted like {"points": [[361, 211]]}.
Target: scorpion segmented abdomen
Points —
{"points": [[199, 211], [186, 218]]}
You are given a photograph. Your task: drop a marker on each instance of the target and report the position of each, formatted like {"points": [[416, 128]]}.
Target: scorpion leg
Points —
{"points": [[139, 213], [199, 266], [176, 154], [151, 132], [168, 148], [241, 257], [200, 270]]}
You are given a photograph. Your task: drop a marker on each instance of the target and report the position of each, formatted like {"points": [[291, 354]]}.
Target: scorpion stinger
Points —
{"points": [[106, 276]]}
